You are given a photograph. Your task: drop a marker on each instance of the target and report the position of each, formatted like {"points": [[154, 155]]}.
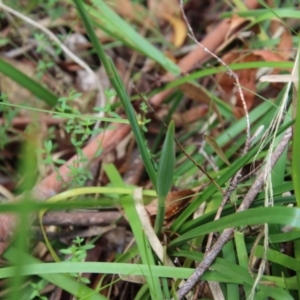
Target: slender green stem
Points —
{"points": [[120, 89]]}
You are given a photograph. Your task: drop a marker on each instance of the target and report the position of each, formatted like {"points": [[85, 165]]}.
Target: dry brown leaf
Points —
{"points": [[236, 24], [274, 25], [175, 202], [247, 80], [179, 28], [285, 45], [246, 77], [268, 55], [191, 115], [236, 27], [285, 50], [271, 56], [182, 118], [195, 92]]}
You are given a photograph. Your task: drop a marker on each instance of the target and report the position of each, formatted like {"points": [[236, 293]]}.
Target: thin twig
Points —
{"points": [[232, 186], [227, 233], [234, 182], [230, 72]]}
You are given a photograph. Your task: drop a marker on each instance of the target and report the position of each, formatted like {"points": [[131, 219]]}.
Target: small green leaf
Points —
{"points": [[167, 164], [112, 23], [25, 81], [165, 174]]}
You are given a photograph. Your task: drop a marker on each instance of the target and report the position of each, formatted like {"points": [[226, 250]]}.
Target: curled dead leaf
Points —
{"points": [[237, 30], [179, 29], [236, 24], [247, 78]]}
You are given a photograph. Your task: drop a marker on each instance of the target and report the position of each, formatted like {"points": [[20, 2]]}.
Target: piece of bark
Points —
{"points": [[81, 218]]}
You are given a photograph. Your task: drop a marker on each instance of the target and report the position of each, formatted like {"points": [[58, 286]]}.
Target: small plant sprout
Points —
{"points": [[53, 8], [77, 253], [80, 129], [42, 67], [42, 42], [108, 108], [37, 288]]}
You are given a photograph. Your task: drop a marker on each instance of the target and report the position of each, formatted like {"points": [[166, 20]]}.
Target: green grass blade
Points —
{"points": [[65, 282], [143, 293], [229, 209], [113, 24], [165, 175], [296, 141], [239, 275], [234, 130], [136, 226], [234, 67], [38, 90], [119, 87], [34, 268], [178, 225], [265, 14], [295, 152], [143, 246], [242, 255], [278, 258], [140, 139], [228, 253], [269, 215], [223, 271]]}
